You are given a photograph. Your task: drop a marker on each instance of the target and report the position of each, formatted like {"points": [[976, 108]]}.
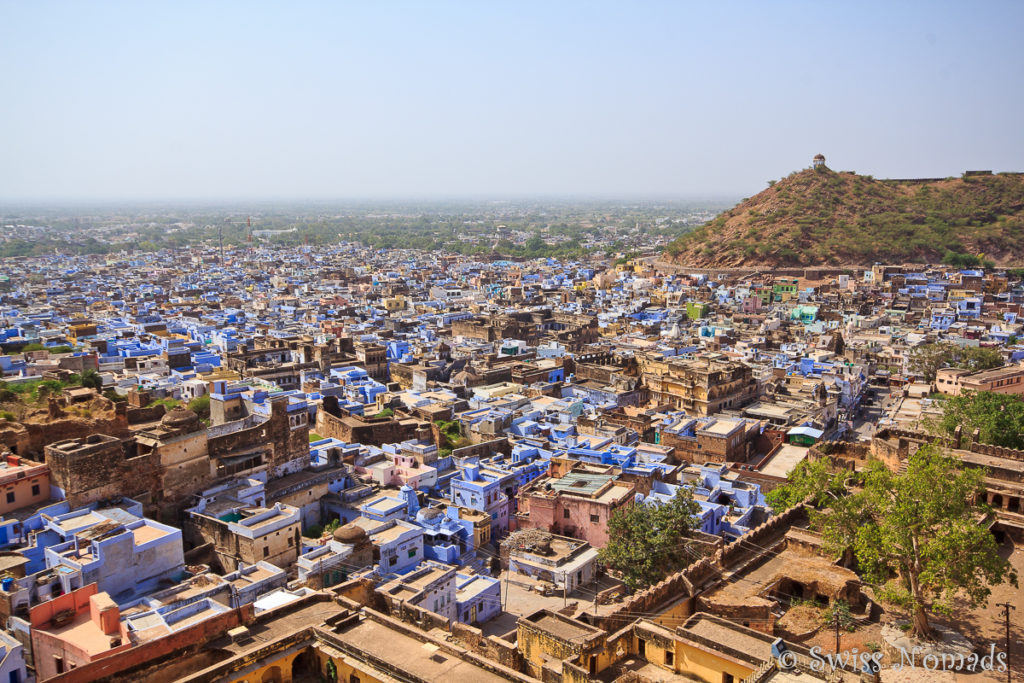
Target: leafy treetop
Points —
{"points": [[999, 418], [928, 359], [918, 536], [647, 541], [815, 480]]}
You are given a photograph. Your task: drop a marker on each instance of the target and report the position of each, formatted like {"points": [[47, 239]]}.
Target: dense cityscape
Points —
{"points": [[274, 462], [466, 342]]}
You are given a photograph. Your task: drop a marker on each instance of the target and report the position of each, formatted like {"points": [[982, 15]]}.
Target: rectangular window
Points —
{"points": [[266, 551], [565, 514], [412, 552], [669, 657], [10, 496], [35, 489], [595, 518]]}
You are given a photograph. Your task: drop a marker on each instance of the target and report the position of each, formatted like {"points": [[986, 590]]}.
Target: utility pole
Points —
{"points": [[1006, 613], [835, 616]]}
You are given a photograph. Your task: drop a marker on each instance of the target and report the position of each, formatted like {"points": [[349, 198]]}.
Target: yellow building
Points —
{"points": [[355, 647], [393, 304]]}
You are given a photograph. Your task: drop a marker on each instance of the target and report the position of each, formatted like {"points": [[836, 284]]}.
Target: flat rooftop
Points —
{"points": [[767, 410], [385, 504], [580, 483], [147, 533], [721, 427], [565, 629], [256, 574], [616, 492], [783, 462], [83, 632], [80, 521], [472, 587], [428, 660], [432, 574], [994, 373], [270, 519], [734, 638], [390, 534]]}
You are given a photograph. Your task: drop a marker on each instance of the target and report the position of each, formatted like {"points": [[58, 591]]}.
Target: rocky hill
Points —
{"points": [[820, 217]]}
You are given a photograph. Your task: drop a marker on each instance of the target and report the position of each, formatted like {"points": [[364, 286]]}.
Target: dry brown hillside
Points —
{"points": [[818, 216]]}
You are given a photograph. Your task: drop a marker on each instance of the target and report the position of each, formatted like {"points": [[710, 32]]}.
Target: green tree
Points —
{"points": [[91, 379], [980, 358], [647, 542], [816, 480], [999, 418], [918, 535], [200, 405], [927, 359], [535, 245]]}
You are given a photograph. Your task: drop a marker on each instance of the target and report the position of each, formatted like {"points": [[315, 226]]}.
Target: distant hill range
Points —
{"points": [[822, 217]]}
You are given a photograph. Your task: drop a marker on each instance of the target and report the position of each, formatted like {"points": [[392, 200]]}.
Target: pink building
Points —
{"points": [[22, 483], [75, 629], [579, 504]]}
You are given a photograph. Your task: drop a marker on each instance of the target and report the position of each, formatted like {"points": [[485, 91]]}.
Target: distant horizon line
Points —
{"points": [[477, 198], [7, 203]]}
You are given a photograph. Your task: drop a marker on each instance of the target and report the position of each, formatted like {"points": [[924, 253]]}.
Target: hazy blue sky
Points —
{"points": [[218, 100]]}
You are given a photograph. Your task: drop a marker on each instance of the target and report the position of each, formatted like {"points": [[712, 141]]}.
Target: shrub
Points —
{"points": [[200, 405], [167, 403], [91, 379]]}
